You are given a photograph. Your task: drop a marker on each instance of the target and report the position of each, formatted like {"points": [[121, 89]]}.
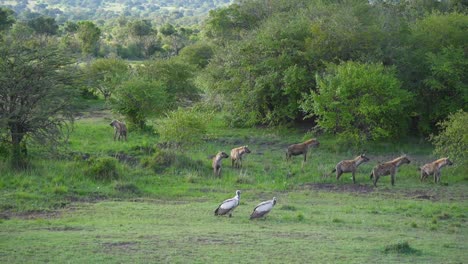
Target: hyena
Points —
{"points": [[434, 168], [388, 168], [120, 129], [217, 161], [301, 148], [236, 156], [349, 166]]}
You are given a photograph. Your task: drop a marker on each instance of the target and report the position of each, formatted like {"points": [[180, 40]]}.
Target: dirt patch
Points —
{"points": [[31, 215], [125, 246], [329, 187], [64, 228]]}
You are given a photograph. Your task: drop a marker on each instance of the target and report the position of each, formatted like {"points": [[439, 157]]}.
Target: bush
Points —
{"points": [[361, 100], [452, 141], [183, 127], [160, 160], [103, 168], [138, 100]]}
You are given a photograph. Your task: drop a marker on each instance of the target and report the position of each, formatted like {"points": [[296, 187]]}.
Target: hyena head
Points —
{"points": [[405, 160], [363, 157], [223, 154], [312, 143], [246, 149], [114, 122], [449, 162]]}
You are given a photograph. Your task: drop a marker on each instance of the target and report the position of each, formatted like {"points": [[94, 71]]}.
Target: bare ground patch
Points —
{"points": [[125, 246], [330, 187]]}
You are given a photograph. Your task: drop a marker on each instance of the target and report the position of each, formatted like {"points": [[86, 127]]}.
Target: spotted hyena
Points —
{"points": [[388, 168], [217, 161], [120, 130], [236, 156], [349, 166], [433, 168], [301, 148]]}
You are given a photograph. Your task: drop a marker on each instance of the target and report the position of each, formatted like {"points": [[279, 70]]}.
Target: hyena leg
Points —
{"points": [[338, 173], [115, 134], [375, 179], [354, 178], [305, 156], [423, 175], [233, 162], [436, 176], [393, 179]]}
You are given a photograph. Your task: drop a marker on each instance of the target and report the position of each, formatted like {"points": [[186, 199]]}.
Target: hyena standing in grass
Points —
{"points": [[217, 161], [236, 156], [434, 168], [301, 148], [388, 168], [349, 166], [120, 129]]}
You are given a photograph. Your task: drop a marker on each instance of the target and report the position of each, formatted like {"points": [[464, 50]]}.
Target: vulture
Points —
{"points": [[263, 208], [228, 205]]}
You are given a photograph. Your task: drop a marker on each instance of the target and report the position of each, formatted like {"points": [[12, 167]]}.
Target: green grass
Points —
{"points": [[369, 229], [58, 211]]}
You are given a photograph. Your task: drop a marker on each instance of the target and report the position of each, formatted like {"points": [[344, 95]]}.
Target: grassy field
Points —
{"points": [[162, 211]]}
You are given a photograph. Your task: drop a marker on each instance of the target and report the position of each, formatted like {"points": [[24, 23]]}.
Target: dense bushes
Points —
{"points": [[453, 138], [359, 101]]}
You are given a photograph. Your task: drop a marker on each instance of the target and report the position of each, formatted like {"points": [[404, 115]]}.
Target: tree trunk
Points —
{"points": [[18, 160]]}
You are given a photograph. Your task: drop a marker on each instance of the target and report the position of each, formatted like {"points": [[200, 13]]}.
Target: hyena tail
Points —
{"points": [[371, 175], [333, 170], [419, 169]]}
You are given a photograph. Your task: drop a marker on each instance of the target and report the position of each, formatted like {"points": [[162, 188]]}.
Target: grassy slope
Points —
{"points": [[316, 219]]}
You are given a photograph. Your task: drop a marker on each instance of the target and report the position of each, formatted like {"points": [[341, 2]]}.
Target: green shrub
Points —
{"points": [[103, 168], [160, 160], [183, 127], [452, 141], [401, 248], [360, 100]]}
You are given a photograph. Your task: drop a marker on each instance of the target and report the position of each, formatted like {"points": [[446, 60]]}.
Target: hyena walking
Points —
{"points": [[388, 168], [301, 148], [120, 129], [217, 161], [434, 168], [236, 156], [349, 166]]}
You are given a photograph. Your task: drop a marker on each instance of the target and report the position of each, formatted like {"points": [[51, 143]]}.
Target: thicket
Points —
{"points": [[361, 70], [269, 54]]}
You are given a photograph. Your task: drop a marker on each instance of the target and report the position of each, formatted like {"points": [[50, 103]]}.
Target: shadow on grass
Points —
{"points": [[401, 248]]}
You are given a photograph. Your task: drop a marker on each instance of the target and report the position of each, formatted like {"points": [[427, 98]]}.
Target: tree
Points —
{"points": [[138, 100], [360, 101], [176, 76], [432, 65], [452, 140], [88, 34], [198, 54], [105, 75], [6, 18], [35, 95], [44, 25]]}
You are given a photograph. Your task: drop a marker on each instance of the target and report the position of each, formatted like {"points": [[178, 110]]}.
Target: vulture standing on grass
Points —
{"points": [[263, 208], [228, 205]]}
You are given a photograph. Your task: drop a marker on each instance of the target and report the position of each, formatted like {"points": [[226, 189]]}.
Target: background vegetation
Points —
{"points": [[384, 78]]}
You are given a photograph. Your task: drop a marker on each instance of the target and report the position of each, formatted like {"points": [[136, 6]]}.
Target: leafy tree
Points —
{"points": [[6, 18], [44, 25], [88, 34], [105, 75], [176, 76], [359, 100], [198, 54], [452, 141], [139, 100], [35, 97], [428, 60]]}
